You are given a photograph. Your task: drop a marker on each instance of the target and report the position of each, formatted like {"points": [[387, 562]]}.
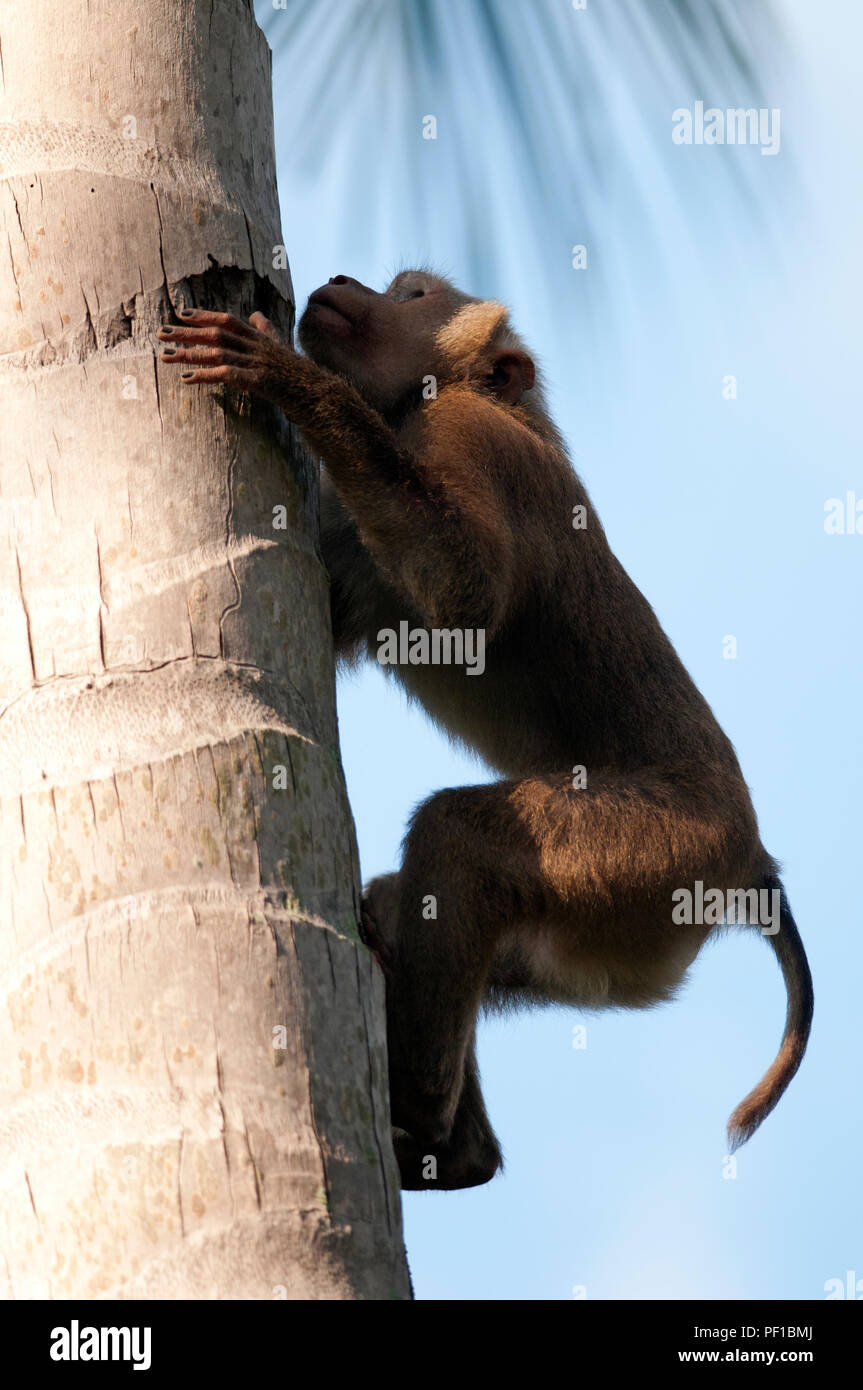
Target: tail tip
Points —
{"points": [[741, 1127]]}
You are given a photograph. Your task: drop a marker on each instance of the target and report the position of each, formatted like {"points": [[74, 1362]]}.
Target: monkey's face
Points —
{"points": [[383, 343]]}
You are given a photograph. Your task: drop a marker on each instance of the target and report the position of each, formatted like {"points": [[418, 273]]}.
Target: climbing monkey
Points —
{"points": [[449, 505]]}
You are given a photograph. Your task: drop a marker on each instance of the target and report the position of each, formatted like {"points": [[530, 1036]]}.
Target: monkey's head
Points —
{"points": [[421, 326]]}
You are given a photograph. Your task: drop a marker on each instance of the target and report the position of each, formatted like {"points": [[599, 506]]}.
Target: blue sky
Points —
{"points": [[615, 1153]]}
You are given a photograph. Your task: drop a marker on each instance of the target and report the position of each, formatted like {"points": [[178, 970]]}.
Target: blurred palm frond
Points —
{"points": [[582, 99]]}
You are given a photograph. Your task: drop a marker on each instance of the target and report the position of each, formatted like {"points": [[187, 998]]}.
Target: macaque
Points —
{"points": [[449, 505]]}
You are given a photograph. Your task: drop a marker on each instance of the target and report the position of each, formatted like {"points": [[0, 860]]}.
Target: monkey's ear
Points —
{"points": [[512, 372]]}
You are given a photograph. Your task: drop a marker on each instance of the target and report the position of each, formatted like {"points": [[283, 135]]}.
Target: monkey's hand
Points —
{"points": [[379, 916], [221, 349], [435, 522]]}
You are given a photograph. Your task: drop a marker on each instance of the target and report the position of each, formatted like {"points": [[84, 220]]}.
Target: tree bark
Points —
{"points": [[192, 1046]]}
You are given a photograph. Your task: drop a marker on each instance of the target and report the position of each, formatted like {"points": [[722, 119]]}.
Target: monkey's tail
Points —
{"points": [[798, 1021]]}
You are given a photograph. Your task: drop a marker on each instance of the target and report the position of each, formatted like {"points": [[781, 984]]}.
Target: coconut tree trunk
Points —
{"points": [[192, 1051]]}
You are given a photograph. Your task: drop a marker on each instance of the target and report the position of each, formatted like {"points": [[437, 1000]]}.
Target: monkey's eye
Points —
{"points": [[415, 294]]}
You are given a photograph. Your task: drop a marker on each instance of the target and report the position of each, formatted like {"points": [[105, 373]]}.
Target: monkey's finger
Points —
{"points": [[216, 337], [215, 319], [205, 356], [244, 379], [263, 325]]}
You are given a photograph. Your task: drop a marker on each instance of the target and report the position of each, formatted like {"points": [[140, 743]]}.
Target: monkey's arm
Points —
{"points": [[433, 519]]}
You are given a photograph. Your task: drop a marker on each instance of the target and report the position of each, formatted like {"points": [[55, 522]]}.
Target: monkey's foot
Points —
{"points": [[444, 1167], [424, 1104]]}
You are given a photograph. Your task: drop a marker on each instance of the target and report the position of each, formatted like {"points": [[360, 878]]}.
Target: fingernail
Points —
{"points": [[185, 313], [169, 352], [186, 376]]}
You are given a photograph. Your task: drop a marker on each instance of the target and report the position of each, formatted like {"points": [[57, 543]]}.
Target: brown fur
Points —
{"points": [[456, 512]]}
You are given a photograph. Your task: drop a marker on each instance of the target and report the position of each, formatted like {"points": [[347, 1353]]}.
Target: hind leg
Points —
{"points": [[576, 885], [471, 1154]]}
